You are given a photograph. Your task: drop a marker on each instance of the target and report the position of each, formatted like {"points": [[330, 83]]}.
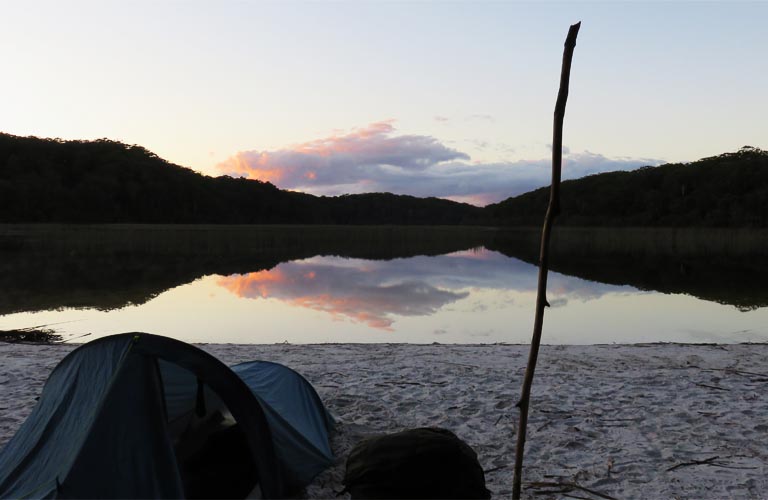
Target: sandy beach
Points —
{"points": [[622, 421]]}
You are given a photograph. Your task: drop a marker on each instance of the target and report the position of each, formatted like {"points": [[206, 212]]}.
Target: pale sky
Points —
{"points": [[447, 99]]}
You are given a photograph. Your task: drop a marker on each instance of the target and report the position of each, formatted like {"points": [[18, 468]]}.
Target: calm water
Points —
{"points": [[420, 286]]}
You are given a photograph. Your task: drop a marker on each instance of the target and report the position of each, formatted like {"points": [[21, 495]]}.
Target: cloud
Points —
{"points": [[375, 159], [362, 156]]}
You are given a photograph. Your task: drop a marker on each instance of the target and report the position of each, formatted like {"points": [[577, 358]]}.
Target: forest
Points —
{"points": [[729, 190], [105, 181]]}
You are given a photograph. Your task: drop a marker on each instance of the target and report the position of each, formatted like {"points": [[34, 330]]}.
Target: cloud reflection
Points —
{"points": [[377, 292], [344, 289]]}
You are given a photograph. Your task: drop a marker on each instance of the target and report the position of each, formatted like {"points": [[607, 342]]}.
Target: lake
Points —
{"points": [[310, 284]]}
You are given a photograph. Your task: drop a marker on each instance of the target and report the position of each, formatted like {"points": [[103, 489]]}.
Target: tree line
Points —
{"points": [[105, 181], [729, 190]]}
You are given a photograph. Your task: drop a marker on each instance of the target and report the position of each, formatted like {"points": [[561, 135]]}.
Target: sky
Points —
{"points": [[447, 99]]}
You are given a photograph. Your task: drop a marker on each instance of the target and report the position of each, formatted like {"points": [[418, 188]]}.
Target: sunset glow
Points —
{"points": [[274, 284], [239, 166], [358, 292], [252, 284], [377, 158]]}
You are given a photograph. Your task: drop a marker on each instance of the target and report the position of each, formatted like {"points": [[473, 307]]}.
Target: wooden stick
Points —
{"points": [[707, 461], [569, 487], [552, 210]]}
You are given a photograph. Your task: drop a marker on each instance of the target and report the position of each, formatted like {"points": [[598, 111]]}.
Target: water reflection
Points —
{"points": [[110, 267], [383, 284], [375, 292], [353, 290]]}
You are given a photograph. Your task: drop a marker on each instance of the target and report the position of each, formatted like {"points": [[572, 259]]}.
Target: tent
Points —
{"points": [[143, 416]]}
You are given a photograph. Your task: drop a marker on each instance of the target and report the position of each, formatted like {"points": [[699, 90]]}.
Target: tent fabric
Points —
{"points": [[295, 414], [118, 418]]}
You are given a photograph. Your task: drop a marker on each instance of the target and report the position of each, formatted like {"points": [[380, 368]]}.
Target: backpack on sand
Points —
{"points": [[417, 463]]}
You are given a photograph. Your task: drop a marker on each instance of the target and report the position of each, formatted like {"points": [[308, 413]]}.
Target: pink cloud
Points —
{"points": [[339, 160], [375, 159]]}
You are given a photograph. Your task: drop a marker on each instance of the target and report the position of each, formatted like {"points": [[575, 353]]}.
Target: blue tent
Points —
{"points": [[143, 416]]}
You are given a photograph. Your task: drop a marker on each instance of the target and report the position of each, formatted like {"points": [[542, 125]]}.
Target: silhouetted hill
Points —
{"points": [[104, 181], [729, 190]]}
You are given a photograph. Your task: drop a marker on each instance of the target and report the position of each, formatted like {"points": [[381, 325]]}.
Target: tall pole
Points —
{"points": [[541, 296]]}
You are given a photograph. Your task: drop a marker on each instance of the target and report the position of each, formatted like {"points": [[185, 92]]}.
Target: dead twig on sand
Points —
{"points": [[753, 377], [707, 461], [710, 461], [546, 424], [73, 338], [495, 469], [567, 488], [711, 387], [744, 373]]}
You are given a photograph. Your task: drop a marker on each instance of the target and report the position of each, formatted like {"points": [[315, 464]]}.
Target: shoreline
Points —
{"points": [[625, 420]]}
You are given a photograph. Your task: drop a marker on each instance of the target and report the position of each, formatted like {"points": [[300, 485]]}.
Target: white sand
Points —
{"points": [[614, 419]]}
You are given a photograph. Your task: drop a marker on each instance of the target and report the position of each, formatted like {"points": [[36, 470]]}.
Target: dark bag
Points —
{"points": [[417, 463]]}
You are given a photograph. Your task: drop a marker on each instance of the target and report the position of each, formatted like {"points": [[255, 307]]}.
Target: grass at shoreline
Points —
{"points": [[33, 335]]}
